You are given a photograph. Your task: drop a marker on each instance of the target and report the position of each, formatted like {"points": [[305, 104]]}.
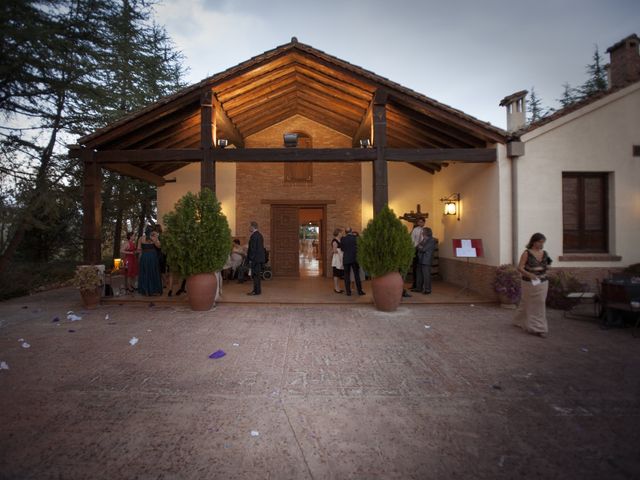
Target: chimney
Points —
{"points": [[624, 64], [516, 104]]}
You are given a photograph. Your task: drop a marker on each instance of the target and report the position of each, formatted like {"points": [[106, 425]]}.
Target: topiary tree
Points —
{"points": [[385, 246], [197, 238]]}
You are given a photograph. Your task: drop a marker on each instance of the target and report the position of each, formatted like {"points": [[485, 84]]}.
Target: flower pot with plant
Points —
{"points": [[507, 285], [88, 280], [385, 251], [197, 240]]}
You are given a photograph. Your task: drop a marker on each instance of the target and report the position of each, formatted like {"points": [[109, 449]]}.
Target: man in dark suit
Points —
{"points": [[256, 257], [349, 245]]}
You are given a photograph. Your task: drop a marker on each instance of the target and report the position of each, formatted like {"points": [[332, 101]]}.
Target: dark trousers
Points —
{"points": [[347, 277], [423, 282], [256, 275], [414, 270]]}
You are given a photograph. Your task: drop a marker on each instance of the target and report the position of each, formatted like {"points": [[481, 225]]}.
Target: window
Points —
{"points": [[299, 172], [585, 212]]}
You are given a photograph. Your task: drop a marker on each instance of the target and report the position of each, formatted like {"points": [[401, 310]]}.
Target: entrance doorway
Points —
{"points": [[297, 240]]}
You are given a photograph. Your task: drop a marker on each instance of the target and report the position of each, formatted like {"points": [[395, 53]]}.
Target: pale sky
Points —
{"points": [[468, 54]]}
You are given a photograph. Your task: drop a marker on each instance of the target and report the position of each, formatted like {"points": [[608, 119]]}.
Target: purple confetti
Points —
{"points": [[72, 331], [56, 319], [217, 354]]}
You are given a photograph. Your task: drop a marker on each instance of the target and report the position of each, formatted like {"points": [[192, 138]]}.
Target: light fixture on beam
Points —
{"points": [[452, 205], [365, 143], [290, 140], [222, 142]]}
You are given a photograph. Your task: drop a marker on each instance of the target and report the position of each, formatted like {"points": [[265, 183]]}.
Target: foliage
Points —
{"points": [[633, 269], [534, 107], [507, 282], [597, 81], [87, 277], [197, 238], [560, 284], [385, 246], [570, 95]]}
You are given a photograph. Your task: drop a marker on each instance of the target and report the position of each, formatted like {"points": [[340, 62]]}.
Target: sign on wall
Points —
{"points": [[467, 248]]}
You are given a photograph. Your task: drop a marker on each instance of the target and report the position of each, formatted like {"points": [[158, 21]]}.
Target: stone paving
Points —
{"points": [[344, 392]]}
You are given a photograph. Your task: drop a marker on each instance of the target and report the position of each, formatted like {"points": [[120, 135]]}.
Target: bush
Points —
{"points": [[560, 284], [23, 277], [385, 246], [633, 269], [197, 238], [507, 283]]}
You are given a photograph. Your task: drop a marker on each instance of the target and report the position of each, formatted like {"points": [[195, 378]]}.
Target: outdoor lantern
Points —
{"points": [[290, 139], [223, 142], [117, 263], [451, 205]]}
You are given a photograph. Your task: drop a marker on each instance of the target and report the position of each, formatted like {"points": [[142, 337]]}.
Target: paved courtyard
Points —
{"points": [[312, 392]]}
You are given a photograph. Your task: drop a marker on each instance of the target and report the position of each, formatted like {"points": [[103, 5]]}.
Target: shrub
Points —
{"points": [[633, 269], [385, 246], [507, 283], [87, 278], [197, 238], [560, 284]]}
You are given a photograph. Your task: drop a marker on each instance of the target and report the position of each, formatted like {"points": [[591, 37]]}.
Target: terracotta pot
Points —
{"points": [[201, 291], [387, 291], [91, 298], [506, 302]]}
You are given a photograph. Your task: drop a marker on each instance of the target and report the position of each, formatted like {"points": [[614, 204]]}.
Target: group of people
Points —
{"points": [[146, 264], [344, 260]]}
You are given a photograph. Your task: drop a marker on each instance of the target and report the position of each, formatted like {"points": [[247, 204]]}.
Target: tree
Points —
{"points": [[597, 81], [569, 95], [534, 107]]}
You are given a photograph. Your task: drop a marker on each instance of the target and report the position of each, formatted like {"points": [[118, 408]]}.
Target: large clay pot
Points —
{"points": [[201, 291], [387, 291], [91, 298], [506, 302]]}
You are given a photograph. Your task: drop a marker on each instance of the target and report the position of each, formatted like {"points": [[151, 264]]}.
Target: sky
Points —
{"points": [[468, 54]]}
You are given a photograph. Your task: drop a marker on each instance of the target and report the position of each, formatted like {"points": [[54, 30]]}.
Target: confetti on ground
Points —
{"points": [[106, 317], [584, 349], [255, 433], [25, 345], [21, 339], [71, 331], [73, 317], [427, 326], [4, 366], [133, 341], [56, 319], [217, 354], [236, 344]]}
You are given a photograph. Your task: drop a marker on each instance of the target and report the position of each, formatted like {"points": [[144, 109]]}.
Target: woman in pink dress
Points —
{"points": [[128, 250]]}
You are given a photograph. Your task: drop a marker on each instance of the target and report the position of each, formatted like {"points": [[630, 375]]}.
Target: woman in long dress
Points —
{"points": [[128, 250], [336, 261], [149, 279], [533, 266]]}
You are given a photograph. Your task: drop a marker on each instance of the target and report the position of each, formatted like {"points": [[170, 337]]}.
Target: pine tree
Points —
{"points": [[597, 81], [534, 107], [569, 95]]}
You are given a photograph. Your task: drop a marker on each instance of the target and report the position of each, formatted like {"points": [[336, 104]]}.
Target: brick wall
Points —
{"points": [[337, 182], [624, 67]]}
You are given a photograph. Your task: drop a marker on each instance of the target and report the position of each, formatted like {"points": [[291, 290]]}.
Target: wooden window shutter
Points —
{"points": [[299, 172], [585, 212]]}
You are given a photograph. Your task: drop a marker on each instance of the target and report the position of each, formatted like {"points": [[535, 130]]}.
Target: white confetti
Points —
{"points": [[236, 344], [21, 339], [133, 341], [106, 317], [73, 317], [25, 345], [584, 349], [427, 326], [255, 433], [4, 366]]}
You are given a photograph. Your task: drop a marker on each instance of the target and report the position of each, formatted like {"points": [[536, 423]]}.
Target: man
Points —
{"points": [[426, 248], [256, 257], [416, 234], [349, 245]]}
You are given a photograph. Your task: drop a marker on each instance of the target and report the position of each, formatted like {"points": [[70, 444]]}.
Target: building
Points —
{"points": [[296, 136]]}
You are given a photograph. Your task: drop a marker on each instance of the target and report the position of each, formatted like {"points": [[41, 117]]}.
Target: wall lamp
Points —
{"points": [[222, 142], [290, 140], [452, 205], [365, 143]]}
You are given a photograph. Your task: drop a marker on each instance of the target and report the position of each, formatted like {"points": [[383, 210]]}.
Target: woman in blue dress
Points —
{"points": [[149, 279]]}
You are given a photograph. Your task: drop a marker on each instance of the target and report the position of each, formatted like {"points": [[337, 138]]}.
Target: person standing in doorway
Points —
{"points": [[349, 247], [416, 236], [533, 265], [336, 260], [256, 257], [425, 249]]}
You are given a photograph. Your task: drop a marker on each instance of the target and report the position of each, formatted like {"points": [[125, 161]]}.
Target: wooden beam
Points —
{"points": [[136, 172], [436, 155], [380, 175], [226, 124], [91, 207], [270, 155], [207, 141], [364, 129], [150, 155]]}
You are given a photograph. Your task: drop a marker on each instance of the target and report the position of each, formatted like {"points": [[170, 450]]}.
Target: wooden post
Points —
{"points": [[207, 141], [92, 207], [380, 181]]}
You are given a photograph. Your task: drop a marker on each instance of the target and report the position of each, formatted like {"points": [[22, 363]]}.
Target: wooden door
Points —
{"points": [[284, 241]]}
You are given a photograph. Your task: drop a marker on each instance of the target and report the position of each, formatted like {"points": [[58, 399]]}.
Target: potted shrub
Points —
{"points": [[385, 251], [507, 285], [560, 284], [197, 241], [87, 279]]}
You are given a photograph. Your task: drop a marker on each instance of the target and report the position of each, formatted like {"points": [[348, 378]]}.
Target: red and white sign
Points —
{"points": [[467, 248]]}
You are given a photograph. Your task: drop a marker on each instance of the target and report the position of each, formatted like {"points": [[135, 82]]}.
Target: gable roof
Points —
{"points": [[291, 79]]}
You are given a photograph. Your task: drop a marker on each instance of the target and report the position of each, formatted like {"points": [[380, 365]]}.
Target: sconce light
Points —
{"points": [[452, 205], [365, 143], [117, 263], [223, 142], [290, 140]]}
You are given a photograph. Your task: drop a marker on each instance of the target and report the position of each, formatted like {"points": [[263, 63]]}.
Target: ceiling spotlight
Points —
{"points": [[365, 143], [290, 140], [222, 142]]}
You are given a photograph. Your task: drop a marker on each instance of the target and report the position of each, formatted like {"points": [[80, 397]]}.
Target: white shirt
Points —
{"points": [[415, 235]]}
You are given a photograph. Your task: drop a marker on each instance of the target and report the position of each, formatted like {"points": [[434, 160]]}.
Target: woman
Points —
{"points": [[128, 251], [533, 265], [336, 260], [425, 248], [149, 279], [162, 257]]}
